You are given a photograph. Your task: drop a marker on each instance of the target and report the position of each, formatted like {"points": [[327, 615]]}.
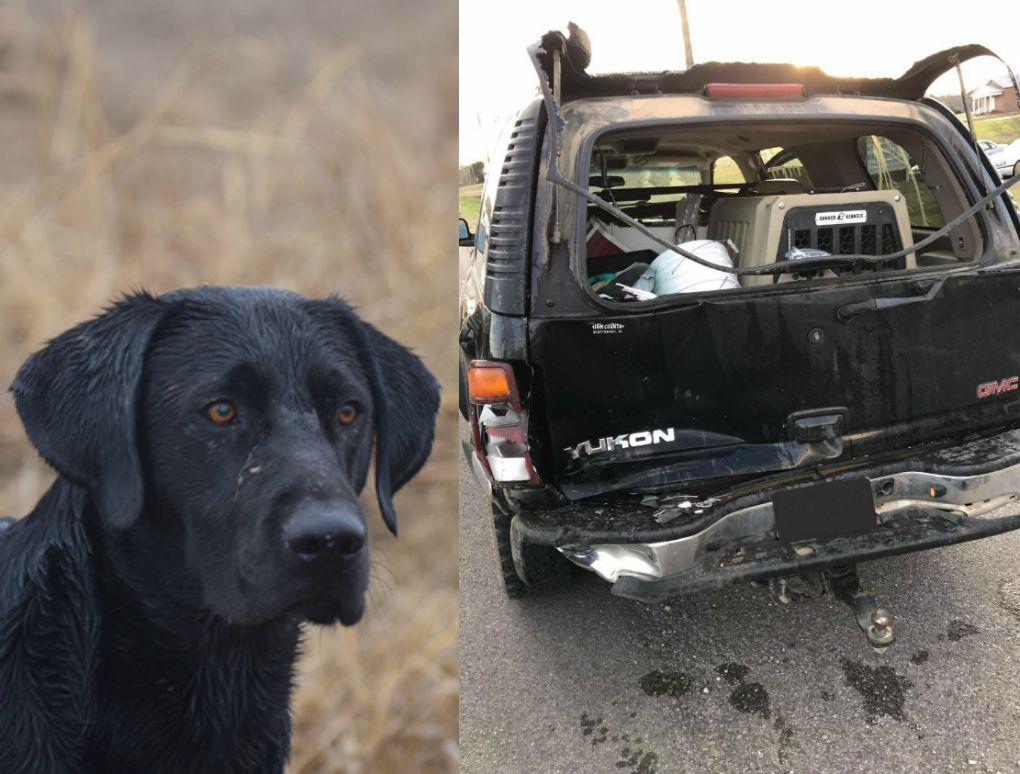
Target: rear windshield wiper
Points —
{"points": [[554, 176], [849, 311]]}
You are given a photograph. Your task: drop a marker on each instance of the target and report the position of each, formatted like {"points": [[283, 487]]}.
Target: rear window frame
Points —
{"points": [[578, 250]]}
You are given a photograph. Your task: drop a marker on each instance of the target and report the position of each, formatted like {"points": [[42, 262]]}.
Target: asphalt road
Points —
{"points": [[580, 681]]}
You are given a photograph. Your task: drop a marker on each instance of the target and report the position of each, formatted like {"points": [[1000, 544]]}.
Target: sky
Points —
{"points": [[866, 38]]}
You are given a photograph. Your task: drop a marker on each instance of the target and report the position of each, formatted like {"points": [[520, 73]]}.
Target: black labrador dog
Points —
{"points": [[211, 445]]}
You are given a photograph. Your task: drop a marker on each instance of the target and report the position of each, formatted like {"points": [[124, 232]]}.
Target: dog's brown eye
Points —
{"points": [[222, 412], [347, 413]]}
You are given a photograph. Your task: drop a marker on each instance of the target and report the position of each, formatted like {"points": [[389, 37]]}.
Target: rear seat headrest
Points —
{"points": [[688, 217]]}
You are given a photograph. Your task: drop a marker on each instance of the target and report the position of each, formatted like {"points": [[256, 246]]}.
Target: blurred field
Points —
{"points": [[161, 145], [470, 202], [1002, 129]]}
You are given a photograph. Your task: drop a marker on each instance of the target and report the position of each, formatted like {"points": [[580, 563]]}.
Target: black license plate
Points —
{"points": [[824, 510]]}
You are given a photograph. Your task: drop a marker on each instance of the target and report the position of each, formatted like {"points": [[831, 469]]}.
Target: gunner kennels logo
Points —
{"points": [[841, 217], [626, 441]]}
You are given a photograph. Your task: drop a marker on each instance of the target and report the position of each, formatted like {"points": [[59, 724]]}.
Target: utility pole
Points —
{"points": [[687, 33]]}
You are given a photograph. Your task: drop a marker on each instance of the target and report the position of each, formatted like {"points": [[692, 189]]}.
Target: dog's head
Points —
{"points": [[224, 435]]}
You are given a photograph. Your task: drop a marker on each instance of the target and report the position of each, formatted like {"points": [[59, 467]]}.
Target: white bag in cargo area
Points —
{"points": [[670, 272]]}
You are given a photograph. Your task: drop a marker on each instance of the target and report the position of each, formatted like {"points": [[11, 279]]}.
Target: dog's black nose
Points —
{"points": [[322, 531]]}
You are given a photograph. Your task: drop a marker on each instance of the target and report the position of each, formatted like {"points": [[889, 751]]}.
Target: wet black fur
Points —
{"points": [[148, 621]]}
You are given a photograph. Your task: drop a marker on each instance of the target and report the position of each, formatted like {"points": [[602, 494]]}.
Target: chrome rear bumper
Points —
{"points": [[955, 501]]}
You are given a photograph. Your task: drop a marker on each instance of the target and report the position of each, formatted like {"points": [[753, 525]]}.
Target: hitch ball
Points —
{"points": [[880, 632]]}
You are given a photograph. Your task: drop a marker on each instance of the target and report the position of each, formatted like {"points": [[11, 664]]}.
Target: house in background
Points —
{"points": [[996, 96]]}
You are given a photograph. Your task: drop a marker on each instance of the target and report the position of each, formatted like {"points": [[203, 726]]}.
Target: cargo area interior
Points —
{"points": [[747, 195]]}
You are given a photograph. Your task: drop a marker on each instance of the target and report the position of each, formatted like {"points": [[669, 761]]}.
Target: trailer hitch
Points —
{"points": [[876, 622], [844, 584]]}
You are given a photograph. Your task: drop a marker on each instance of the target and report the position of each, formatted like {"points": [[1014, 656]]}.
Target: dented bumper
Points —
{"points": [[944, 497]]}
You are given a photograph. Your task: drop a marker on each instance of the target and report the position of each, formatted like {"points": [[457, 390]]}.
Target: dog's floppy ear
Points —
{"points": [[77, 399], [406, 399]]}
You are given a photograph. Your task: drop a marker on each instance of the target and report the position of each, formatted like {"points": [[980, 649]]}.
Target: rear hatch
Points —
{"points": [[763, 383], [693, 395]]}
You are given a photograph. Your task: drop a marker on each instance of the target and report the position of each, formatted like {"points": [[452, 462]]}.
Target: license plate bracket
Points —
{"points": [[824, 510]]}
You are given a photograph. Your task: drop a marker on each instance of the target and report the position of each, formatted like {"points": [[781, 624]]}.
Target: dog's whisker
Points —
{"points": [[379, 562]]}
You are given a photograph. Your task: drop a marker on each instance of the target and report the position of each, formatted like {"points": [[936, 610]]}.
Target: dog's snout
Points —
{"points": [[319, 532]]}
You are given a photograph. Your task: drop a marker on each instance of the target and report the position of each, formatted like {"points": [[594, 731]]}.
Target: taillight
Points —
{"points": [[754, 90], [491, 383], [499, 424]]}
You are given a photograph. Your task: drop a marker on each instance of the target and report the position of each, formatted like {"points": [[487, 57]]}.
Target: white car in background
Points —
{"points": [[1006, 159]]}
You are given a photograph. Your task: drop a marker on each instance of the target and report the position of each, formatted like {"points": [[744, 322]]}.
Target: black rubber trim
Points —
{"points": [[507, 257]]}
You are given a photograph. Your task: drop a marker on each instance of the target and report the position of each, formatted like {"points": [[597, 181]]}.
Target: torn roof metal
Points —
{"points": [[576, 83]]}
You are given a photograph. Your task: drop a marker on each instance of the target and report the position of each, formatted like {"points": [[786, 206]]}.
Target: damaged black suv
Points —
{"points": [[742, 322]]}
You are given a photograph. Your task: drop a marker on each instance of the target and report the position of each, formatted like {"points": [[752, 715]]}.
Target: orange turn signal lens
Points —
{"points": [[489, 382]]}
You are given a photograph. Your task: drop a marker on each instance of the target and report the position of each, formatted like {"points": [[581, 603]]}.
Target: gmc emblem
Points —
{"points": [[988, 389]]}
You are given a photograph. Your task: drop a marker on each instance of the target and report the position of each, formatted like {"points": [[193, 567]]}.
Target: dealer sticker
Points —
{"points": [[839, 218]]}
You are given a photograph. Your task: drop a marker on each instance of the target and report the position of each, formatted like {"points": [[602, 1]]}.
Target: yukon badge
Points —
{"points": [[625, 441], [1008, 384]]}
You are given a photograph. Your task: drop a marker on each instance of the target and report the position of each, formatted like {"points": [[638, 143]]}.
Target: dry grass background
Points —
{"points": [[161, 145]]}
